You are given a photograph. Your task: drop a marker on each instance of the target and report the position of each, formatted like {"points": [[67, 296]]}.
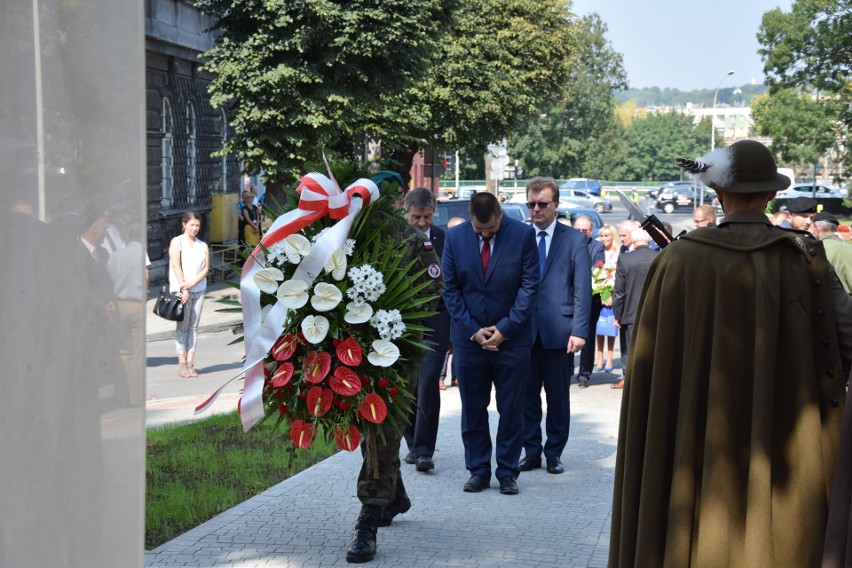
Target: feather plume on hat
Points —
{"points": [[715, 169]]}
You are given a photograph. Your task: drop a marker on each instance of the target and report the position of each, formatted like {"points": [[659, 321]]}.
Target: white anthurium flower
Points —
{"points": [[293, 294], [336, 265], [384, 353], [358, 312], [326, 297], [315, 328], [267, 279], [297, 246]]}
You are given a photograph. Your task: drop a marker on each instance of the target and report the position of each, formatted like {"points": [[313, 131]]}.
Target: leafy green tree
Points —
{"points": [[562, 139], [298, 76], [809, 48], [653, 143], [797, 123]]}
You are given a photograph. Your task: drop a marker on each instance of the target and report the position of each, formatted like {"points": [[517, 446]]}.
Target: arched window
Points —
{"points": [[167, 147], [191, 147], [223, 137]]}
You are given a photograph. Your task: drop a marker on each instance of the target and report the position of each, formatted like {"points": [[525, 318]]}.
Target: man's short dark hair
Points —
{"points": [[421, 198], [537, 184], [484, 207]]}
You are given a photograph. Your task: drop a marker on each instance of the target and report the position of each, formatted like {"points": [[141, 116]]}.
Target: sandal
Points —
{"points": [[618, 385], [183, 370], [191, 370]]}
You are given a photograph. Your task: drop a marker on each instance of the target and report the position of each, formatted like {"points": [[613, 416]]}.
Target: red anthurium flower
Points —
{"points": [[316, 366], [266, 372], [373, 408], [349, 352], [384, 382], [347, 439], [302, 434], [344, 381], [319, 400], [282, 375], [393, 391], [285, 347]]}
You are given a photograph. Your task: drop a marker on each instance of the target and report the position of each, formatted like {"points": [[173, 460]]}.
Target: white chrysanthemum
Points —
{"points": [[326, 297], [357, 312], [336, 265], [388, 324], [293, 294], [349, 247], [384, 353], [268, 279], [315, 328]]}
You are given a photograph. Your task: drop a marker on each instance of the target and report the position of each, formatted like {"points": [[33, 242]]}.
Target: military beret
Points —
{"points": [[802, 205], [826, 216]]}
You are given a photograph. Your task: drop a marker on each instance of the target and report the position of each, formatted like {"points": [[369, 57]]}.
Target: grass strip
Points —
{"points": [[197, 470]]}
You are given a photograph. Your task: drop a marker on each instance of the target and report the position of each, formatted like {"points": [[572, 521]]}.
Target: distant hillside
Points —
{"points": [[654, 96]]}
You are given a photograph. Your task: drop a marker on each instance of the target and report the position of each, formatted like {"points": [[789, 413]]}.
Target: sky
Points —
{"points": [[685, 44]]}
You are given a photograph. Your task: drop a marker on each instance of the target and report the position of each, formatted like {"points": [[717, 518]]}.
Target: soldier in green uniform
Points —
{"points": [[383, 495]]}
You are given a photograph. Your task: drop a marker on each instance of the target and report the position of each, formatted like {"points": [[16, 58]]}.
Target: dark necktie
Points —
{"points": [[485, 253], [542, 251]]}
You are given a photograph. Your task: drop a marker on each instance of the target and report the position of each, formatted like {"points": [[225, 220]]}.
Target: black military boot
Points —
{"points": [[363, 547], [400, 504]]}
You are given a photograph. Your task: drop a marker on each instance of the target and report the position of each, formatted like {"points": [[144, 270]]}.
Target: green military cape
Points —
{"points": [[731, 415]]}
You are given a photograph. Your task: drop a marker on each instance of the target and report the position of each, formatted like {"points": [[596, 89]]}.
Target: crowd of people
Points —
{"points": [[736, 340]]}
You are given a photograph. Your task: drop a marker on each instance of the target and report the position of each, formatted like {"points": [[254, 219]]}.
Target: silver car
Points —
{"points": [[583, 199]]}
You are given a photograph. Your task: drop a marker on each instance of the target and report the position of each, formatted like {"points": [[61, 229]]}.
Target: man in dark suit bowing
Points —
{"points": [[491, 274], [422, 430], [560, 326]]}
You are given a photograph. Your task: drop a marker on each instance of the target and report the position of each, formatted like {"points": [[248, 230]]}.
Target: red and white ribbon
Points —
{"points": [[318, 196]]}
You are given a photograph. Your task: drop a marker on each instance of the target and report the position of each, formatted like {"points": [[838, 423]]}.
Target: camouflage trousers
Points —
{"points": [[380, 490]]}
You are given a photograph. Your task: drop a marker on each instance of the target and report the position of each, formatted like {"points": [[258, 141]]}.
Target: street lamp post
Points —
{"points": [[713, 119]]}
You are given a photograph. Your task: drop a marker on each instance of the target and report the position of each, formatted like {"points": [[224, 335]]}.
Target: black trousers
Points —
{"points": [[587, 355]]}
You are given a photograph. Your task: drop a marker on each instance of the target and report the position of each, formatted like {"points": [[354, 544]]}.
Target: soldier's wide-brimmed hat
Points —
{"points": [[746, 166]]}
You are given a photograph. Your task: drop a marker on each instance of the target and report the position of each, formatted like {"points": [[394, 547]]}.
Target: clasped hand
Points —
{"points": [[489, 338]]}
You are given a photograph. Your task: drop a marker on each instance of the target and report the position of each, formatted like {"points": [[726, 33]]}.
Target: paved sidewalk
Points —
{"points": [[307, 520]]}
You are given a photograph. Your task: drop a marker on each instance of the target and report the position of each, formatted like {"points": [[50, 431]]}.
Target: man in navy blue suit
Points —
{"points": [[422, 430], [491, 274], [560, 326]]}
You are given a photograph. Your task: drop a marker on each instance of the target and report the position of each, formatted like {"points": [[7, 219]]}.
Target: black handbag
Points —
{"points": [[168, 305]]}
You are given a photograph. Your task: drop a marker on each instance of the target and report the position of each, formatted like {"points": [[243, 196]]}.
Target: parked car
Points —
{"points": [[682, 195], [446, 209], [807, 190], [571, 213], [592, 186], [584, 199]]}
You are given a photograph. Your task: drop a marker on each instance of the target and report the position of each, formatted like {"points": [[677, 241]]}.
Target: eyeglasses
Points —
{"points": [[541, 204]]}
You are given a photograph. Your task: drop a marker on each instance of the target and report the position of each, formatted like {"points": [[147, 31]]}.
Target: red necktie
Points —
{"points": [[485, 253]]}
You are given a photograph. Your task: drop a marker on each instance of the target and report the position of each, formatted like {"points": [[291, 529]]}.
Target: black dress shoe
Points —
{"points": [[529, 464], [554, 465], [477, 483], [508, 486], [410, 457], [583, 381], [425, 463]]}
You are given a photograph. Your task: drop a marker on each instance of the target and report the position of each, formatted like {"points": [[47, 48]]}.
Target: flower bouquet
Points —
{"points": [[332, 297], [603, 280]]}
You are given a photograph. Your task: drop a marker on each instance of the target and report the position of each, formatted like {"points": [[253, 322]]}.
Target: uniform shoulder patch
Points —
{"points": [[434, 271]]}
